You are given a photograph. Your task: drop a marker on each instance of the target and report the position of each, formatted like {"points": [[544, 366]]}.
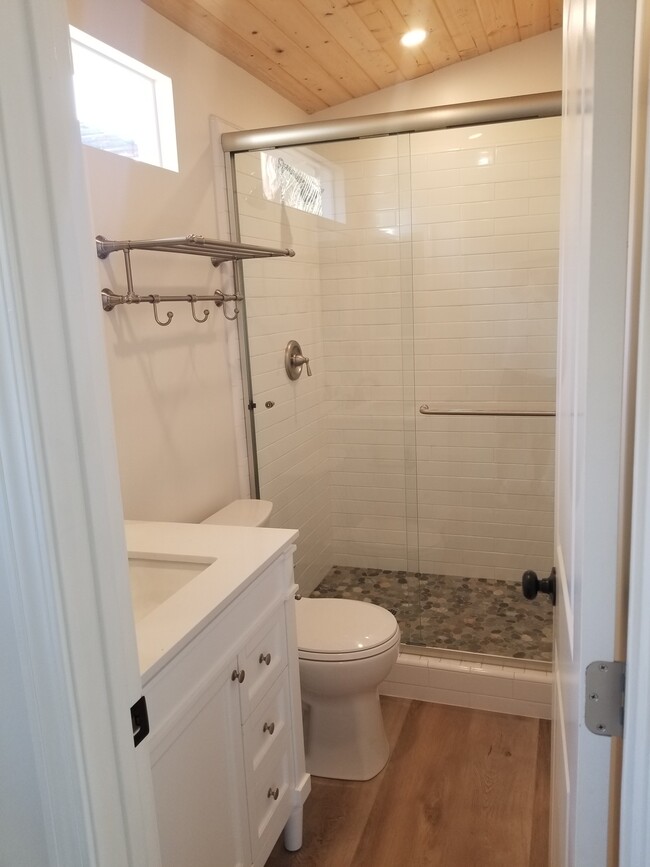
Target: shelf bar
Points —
{"points": [[195, 245], [111, 299]]}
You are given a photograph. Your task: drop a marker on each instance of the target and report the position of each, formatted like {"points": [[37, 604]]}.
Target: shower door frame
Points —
{"points": [[490, 111]]}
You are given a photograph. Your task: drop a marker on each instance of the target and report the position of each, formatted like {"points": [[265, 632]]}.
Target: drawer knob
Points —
{"points": [[238, 675], [265, 658], [273, 793], [269, 727]]}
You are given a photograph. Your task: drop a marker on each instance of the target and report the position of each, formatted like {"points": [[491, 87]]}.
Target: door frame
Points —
{"points": [[63, 559], [635, 783], [66, 613], [635, 786]]}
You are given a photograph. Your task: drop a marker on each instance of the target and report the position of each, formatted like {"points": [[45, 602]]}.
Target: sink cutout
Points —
{"points": [[154, 580]]}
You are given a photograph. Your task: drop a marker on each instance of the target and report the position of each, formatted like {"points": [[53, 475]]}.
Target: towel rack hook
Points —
{"points": [[193, 299], [155, 300], [235, 310]]}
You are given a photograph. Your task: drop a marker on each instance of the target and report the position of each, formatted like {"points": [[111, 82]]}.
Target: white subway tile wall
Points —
{"points": [[436, 284], [362, 279], [484, 296], [284, 303]]}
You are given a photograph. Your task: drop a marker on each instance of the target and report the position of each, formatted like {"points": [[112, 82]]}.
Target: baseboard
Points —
{"points": [[482, 686]]}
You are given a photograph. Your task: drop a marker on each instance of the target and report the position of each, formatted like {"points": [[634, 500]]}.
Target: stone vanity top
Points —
{"points": [[227, 560]]}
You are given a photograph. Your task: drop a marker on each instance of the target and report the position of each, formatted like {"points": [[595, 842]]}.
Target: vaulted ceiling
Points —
{"points": [[319, 53]]}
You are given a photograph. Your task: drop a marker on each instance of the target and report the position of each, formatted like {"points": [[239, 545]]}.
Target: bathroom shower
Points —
{"points": [[417, 460]]}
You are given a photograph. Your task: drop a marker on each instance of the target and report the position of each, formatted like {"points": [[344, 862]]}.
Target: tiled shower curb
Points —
{"points": [[464, 683]]}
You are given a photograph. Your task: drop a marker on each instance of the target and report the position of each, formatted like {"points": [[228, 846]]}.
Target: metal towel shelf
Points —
{"points": [[196, 245]]}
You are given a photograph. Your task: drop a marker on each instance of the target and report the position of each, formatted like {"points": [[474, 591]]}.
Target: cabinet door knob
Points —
{"points": [[238, 675], [273, 793], [269, 727], [265, 658]]}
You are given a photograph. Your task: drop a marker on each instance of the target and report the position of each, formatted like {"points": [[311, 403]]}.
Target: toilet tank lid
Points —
{"points": [[242, 513], [342, 625]]}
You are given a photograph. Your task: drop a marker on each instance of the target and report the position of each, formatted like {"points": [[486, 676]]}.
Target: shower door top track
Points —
{"points": [[502, 110]]}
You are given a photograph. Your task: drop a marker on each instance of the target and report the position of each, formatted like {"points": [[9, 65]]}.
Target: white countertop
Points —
{"points": [[239, 554]]}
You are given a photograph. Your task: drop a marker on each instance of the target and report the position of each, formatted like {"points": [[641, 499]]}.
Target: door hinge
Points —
{"points": [[139, 720], [605, 698]]}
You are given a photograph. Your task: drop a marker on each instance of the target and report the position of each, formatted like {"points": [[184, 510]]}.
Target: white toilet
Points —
{"points": [[346, 648]]}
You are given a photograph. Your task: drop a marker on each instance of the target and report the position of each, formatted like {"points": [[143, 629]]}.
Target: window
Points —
{"points": [[301, 180], [123, 106]]}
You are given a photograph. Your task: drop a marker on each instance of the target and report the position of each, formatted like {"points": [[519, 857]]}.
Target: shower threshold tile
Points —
{"points": [[477, 615]]}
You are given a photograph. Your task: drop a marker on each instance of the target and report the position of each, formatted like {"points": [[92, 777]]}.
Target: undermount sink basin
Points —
{"points": [[154, 580]]}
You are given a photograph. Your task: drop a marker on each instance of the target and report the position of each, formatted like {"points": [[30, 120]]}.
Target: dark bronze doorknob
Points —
{"points": [[531, 584]]}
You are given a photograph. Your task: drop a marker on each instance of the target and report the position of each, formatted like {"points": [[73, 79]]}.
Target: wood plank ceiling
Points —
{"points": [[319, 53]]}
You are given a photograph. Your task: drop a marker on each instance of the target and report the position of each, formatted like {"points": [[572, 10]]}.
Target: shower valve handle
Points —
{"points": [[294, 360], [300, 359], [531, 584]]}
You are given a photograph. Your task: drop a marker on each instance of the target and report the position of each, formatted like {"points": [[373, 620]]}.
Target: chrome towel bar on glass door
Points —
{"points": [[424, 409]]}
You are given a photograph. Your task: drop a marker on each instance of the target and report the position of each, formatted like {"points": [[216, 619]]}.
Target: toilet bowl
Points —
{"points": [[345, 649]]}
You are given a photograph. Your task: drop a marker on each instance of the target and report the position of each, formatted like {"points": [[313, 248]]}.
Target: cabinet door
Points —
{"points": [[199, 781]]}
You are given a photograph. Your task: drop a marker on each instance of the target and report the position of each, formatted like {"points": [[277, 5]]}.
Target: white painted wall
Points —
{"points": [[532, 66], [171, 387]]}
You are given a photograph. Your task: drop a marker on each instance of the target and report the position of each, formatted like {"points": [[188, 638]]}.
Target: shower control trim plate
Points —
{"points": [[605, 698], [294, 360]]}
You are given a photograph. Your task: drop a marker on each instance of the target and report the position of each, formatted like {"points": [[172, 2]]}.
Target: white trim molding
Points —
{"points": [[635, 783]]}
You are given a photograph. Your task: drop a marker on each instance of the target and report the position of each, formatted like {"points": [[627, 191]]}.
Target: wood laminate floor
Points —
{"points": [[463, 788]]}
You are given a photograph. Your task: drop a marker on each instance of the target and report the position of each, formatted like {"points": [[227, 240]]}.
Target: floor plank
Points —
{"points": [[337, 811], [462, 788], [539, 843]]}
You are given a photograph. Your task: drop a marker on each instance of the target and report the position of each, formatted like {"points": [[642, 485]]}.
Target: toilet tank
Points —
{"points": [[243, 513]]}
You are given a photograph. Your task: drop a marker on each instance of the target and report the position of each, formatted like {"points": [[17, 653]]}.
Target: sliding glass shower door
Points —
{"points": [[423, 291], [485, 246], [331, 448]]}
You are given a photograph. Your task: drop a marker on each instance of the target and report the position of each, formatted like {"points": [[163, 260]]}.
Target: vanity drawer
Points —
{"points": [[267, 727], [263, 657], [270, 799]]}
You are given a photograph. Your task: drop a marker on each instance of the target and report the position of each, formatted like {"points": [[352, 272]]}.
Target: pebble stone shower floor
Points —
{"points": [[477, 615]]}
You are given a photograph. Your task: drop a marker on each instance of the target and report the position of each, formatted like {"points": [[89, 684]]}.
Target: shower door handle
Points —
{"points": [[531, 584]]}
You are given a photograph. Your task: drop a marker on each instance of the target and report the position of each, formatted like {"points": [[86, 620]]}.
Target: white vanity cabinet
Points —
{"points": [[226, 731]]}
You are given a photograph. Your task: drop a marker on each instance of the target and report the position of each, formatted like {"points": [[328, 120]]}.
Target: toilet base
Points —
{"points": [[345, 737]]}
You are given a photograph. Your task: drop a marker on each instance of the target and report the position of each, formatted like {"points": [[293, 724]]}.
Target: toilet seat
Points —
{"points": [[342, 630]]}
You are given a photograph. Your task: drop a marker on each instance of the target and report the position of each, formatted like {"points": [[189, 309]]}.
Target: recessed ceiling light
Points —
{"points": [[413, 37]]}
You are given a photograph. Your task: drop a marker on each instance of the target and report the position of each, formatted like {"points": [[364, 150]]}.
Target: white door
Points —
{"points": [[74, 790], [598, 74]]}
